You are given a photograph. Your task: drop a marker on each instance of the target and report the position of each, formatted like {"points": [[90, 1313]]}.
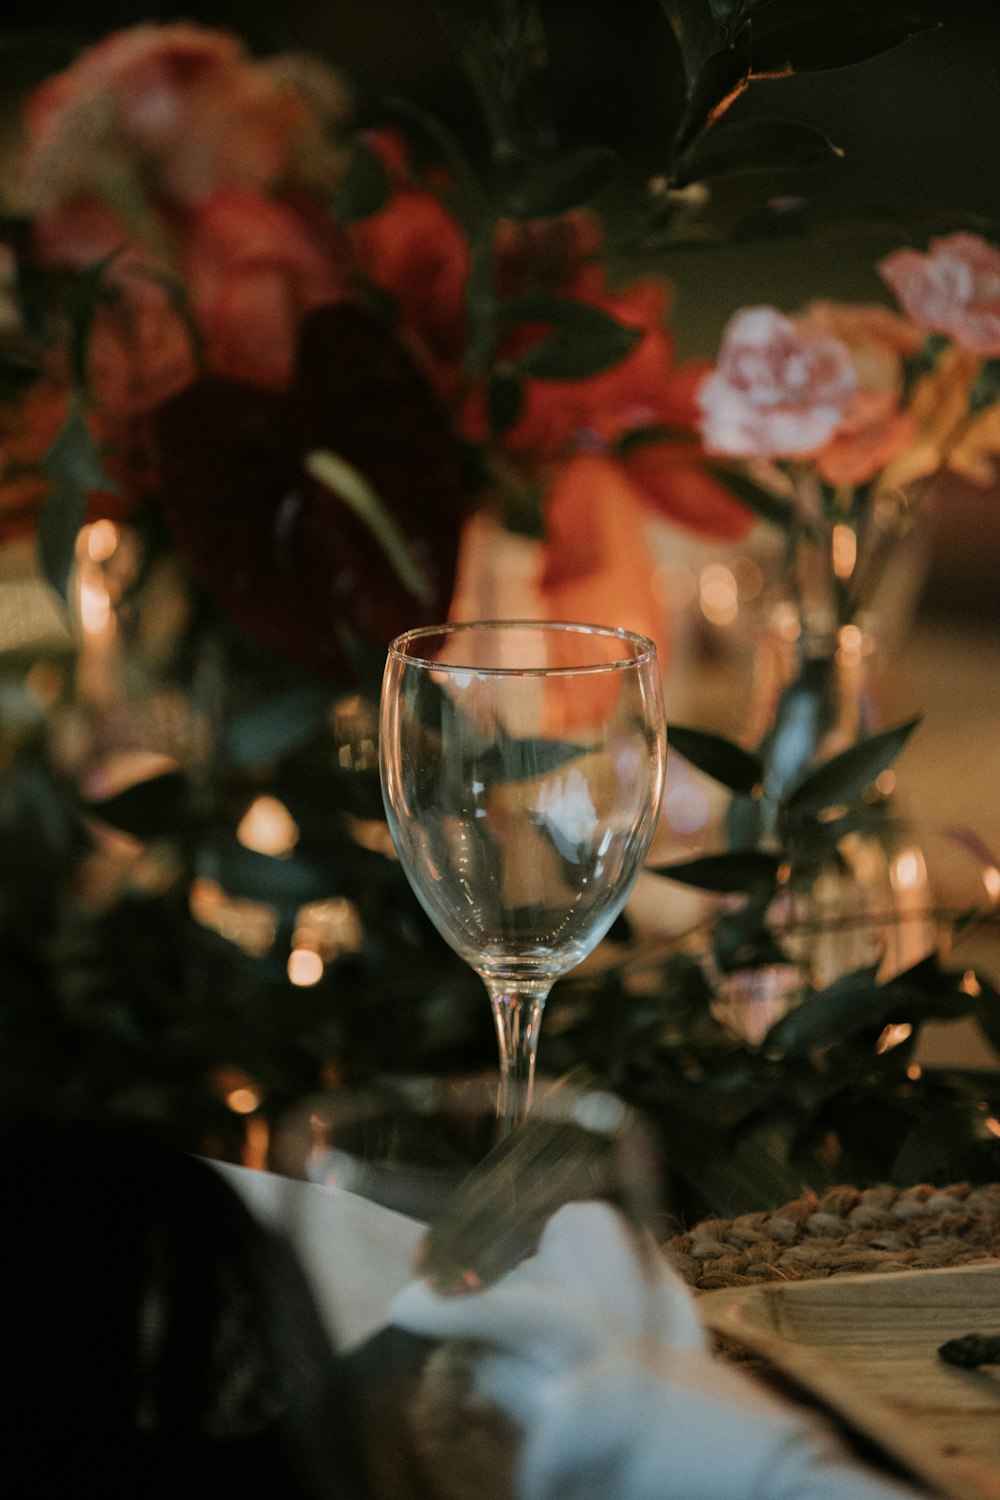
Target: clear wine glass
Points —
{"points": [[522, 771]]}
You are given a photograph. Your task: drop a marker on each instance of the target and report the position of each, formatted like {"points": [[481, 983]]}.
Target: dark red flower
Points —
{"points": [[282, 554]]}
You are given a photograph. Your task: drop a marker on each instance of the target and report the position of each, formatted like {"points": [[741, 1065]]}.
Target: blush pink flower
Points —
{"points": [[954, 290], [180, 110], [777, 391]]}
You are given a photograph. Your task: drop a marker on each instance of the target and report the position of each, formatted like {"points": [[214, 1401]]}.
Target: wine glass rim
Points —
{"points": [[401, 647]]}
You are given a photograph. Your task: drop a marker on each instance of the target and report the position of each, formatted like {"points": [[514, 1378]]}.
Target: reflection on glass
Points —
{"points": [[522, 770]]}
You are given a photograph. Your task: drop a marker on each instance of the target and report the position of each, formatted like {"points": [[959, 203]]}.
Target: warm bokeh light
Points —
{"points": [[787, 625], [267, 827], [305, 967], [892, 1036], [329, 928], [908, 870], [850, 640], [844, 550], [95, 607], [243, 1101], [101, 541], [251, 925], [991, 880], [719, 595]]}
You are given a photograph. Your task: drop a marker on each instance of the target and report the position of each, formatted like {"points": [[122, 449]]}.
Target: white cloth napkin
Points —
{"points": [[596, 1354], [356, 1254]]}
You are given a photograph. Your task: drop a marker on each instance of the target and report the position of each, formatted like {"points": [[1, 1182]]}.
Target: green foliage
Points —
{"points": [[547, 186], [813, 1104], [747, 146], [735, 768], [583, 342], [364, 188]]}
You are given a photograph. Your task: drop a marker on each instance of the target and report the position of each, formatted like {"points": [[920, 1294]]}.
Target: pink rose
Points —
{"points": [[179, 111], [954, 290], [776, 391], [255, 268]]}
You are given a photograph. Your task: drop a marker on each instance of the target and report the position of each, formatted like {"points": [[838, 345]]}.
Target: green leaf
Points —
{"points": [[720, 80], [85, 298], [585, 340], [20, 367], [501, 47], [553, 185], [733, 870], [725, 12], [74, 465], [855, 1002], [801, 718], [276, 727], [350, 485], [454, 158], [697, 34], [364, 188], [151, 809], [772, 508], [986, 390], [746, 146], [511, 759], [925, 359], [638, 438], [724, 761], [504, 399], [284, 883], [785, 41], [747, 1171], [845, 776], [938, 1144], [64, 512]]}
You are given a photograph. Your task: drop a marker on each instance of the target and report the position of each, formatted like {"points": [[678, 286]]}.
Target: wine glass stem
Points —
{"points": [[517, 1014]]}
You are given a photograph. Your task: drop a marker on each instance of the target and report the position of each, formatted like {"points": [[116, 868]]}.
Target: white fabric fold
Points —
{"points": [[356, 1254], [595, 1352]]}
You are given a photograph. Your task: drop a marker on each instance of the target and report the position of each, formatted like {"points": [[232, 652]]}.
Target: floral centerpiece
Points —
{"points": [[268, 382], [263, 373], [782, 1043]]}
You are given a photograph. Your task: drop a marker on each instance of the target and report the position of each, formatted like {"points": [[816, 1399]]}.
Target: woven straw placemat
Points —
{"points": [[846, 1231]]}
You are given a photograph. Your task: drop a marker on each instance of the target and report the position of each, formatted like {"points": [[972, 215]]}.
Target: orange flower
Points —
{"points": [[597, 566], [875, 429], [597, 569], [414, 249], [643, 392]]}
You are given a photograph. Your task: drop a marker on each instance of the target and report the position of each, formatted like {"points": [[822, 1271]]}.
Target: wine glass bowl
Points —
{"points": [[522, 770]]}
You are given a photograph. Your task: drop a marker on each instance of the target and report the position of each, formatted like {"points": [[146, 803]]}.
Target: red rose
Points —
{"points": [[255, 268]]}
